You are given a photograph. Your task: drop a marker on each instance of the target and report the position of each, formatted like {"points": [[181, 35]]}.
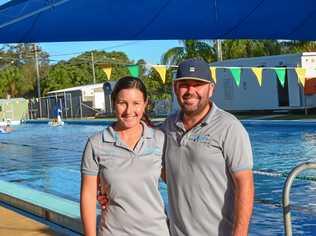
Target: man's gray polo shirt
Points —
{"points": [[199, 164], [131, 179]]}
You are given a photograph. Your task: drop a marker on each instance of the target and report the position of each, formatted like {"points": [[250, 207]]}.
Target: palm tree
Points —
{"points": [[297, 46], [250, 48], [190, 49]]}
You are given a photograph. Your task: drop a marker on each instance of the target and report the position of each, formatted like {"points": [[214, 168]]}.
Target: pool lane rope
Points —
{"points": [[282, 174]]}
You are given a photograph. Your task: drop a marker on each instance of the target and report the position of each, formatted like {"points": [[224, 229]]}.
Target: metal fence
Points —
{"points": [[71, 106]]}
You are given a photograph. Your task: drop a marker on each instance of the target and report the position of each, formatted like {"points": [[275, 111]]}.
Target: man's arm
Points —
{"points": [[244, 197], [88, 198]]}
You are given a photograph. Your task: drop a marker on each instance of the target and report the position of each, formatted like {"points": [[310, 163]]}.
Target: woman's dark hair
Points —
{"points": [[129, 82]]}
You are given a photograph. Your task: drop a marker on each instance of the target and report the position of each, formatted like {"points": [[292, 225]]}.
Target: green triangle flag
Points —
{"points": [[236, 74], [133, 70], [281, 75]]}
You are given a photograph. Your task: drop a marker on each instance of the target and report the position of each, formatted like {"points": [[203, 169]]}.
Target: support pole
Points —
{"points": [[38, 80], [93, 69], [219, 50]]}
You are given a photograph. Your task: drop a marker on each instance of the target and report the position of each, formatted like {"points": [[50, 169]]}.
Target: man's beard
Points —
{"points": [[189, 109]]}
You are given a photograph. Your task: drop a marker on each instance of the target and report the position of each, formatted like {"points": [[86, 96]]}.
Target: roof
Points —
{"points": [[274, 60], [82, 20], [81, 88]]}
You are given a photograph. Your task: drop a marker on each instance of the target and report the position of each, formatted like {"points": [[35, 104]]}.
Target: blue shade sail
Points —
{"points": [[94, 20]]}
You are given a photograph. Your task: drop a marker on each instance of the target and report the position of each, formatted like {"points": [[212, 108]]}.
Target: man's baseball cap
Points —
{"points": [[194, 69]]}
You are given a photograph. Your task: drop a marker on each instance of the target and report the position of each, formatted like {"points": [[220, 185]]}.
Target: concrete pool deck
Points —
{"points": [[50, 208], [16, 224]]}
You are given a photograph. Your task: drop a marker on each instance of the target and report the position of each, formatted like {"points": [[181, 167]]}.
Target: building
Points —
{"points": [[13, 110], [270, 96], [92, 94], [75, 102]]}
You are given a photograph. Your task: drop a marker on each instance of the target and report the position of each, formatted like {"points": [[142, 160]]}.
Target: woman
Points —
{"points": [[127, 156]]}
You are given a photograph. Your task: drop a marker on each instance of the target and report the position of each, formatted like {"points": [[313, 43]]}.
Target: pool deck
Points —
{"points": [[42, 206], [17, 224]]}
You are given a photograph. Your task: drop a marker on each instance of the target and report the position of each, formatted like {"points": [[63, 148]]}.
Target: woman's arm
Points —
{"points": [[88, 196]]}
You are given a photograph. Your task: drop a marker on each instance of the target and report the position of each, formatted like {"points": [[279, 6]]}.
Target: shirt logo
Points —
{"points": [[192, 69], [152, 150], [199, 138]]}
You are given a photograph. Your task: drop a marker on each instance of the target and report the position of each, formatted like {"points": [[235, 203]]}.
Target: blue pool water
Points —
{"points": [[48, 159]]}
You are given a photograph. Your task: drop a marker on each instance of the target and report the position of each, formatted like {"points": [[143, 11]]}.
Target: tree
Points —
{"points": [[190, 49], [20, 59], [296, 46], [250, 48], [78, 70], [11, 81]]}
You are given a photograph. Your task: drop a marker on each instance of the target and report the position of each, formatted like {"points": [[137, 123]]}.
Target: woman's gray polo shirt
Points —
{"points": [[199, 166], [131, 180]]}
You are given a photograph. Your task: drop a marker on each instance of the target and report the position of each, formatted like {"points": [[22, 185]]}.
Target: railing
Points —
{"points": [[286, 194]]}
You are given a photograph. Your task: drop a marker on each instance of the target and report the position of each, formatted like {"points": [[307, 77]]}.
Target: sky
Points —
{"points": [[149, 50]]}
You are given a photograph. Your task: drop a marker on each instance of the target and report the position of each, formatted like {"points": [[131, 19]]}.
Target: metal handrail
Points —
{"points": [[286, 194]]}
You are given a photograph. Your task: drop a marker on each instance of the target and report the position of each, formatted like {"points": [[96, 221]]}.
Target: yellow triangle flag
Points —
{"points": [[107, 71], [161, 71], [301, 75], [258, 72], [213, 73]]}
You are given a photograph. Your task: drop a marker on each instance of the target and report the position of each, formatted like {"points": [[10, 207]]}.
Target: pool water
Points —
{"points": [[48, 159]]}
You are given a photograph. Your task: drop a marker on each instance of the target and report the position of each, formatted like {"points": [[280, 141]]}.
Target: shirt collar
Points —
{"points": [[207, 119], [111, 136]]}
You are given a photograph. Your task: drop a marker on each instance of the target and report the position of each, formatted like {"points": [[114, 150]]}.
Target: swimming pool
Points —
{"points": [[48, 159]]}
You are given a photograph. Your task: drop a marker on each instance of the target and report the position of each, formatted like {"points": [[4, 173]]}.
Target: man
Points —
{"points": [[208, 161]]}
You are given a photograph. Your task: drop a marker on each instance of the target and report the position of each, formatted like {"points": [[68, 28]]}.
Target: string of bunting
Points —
{"points": [[235, 72]]}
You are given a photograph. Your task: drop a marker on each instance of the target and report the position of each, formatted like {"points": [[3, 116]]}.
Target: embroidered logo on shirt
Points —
{"points": [[199, 138], [152, 150]]}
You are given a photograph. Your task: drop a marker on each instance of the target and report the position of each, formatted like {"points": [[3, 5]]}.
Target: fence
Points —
{"points": [[71, 106]]}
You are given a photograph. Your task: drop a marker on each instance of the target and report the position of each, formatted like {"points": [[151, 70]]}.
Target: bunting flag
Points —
{"points": [[281, 75], [258, 73], [301, 75], [236, 74], [161, 71], [133, 70], [107, 71], [213, 73]]}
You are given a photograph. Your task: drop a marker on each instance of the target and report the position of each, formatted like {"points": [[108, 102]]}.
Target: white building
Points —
{"points": [[250, 96], [89, 93]]}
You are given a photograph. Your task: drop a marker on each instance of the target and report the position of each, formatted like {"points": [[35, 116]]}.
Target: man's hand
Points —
{"points": [[102, 198]]}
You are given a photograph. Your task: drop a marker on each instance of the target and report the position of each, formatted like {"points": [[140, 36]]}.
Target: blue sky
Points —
{"points": [[149, 50]]}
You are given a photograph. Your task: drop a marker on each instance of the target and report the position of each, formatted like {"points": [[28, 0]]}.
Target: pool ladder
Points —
{"points": [[286, 194]]}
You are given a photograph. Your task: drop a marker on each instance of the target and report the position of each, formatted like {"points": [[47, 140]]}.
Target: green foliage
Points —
{"points": [[190, 49], [17, 70], [297, 46], [250, 48], [11, 81], [78, 70], [156, 89]]}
